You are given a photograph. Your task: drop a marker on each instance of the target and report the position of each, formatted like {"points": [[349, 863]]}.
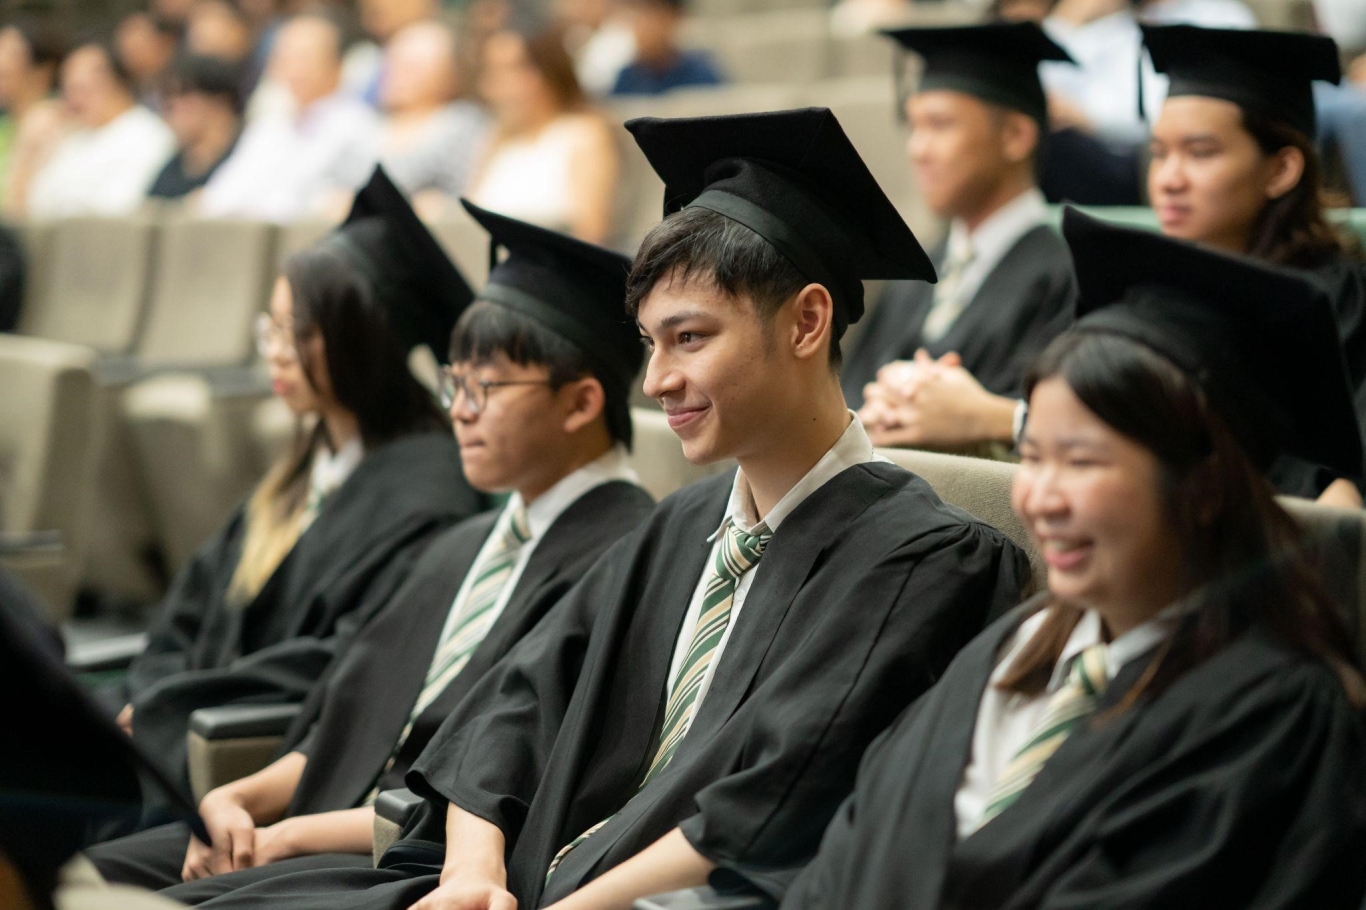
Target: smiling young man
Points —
{"points": [[1006, 288], [705, 693], [536, 416]]}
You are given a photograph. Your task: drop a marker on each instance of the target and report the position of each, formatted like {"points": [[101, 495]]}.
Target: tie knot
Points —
{"points": [[1089, 671], [752, 541], [519, 528]]}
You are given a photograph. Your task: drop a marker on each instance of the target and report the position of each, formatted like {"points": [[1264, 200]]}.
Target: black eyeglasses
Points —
{"points": [[475, 391]]}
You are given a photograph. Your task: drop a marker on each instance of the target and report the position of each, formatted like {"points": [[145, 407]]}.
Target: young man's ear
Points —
{"points": [[1019, 137], [813, 322], [584, 401], [1286, 169]]}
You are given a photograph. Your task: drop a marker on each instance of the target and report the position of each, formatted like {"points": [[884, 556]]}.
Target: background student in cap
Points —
{"points": [[538, 393], [332, 530], [1174, 723], [1234, 166], [1005, 280], [705, 693]]}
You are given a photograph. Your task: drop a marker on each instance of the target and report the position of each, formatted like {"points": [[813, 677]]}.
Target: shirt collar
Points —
{"points": [[999, 232], [541, 514], [330, 469], [1131, 645], [852, 448]]}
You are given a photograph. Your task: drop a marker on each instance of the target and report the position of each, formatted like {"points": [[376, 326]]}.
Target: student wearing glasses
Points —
{"points": [[332, 529], [538, 393]]}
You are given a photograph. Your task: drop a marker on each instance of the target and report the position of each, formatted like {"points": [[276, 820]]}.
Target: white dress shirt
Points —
{"points": [[852, 448], [103, 171], [540, 515], [284, 164], [994, 238], [1006, 719]]}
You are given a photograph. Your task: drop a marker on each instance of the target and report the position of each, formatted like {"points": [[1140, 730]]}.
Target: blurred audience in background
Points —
{"points": [[219, 28], [34, 121], [146, 45], [287, 161], [660, 63], [106, 165], [430, 137], [380, 20], [600, 38], [203, 107], [552, 159]]}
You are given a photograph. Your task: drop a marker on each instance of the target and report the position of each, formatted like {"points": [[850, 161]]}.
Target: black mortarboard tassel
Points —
{"points": [[795, 179], [413, 278], [575, 289], [1261, 341], [1268, 72], [998, 63]]}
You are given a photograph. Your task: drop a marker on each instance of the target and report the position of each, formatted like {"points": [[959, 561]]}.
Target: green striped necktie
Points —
{"points": [[1070, 705], [739, 552], [476, 616]]}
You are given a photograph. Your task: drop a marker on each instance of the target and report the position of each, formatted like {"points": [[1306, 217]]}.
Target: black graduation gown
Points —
{"points": [[350, 722], [1024, 303], [203, 652], [862, 596], [1242, 785], [353, 722], [65, 769], [1344, 278]]}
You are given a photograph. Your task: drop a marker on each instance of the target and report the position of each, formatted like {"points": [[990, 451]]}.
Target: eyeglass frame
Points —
{"points": [[273, 339], [449, 383]]}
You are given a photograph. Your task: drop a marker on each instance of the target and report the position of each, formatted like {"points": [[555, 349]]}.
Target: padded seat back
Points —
{"points": [[89, 281], [657, 456], [50, 435], [466, 243], [211, 279], [977, 486]]}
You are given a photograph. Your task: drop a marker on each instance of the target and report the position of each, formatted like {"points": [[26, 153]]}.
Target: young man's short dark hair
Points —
{"points": [[487, 329], [699, 244]]}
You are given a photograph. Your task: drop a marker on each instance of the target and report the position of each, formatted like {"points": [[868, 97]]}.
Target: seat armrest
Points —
{"points": [[239, 721], [393, 809], [704, 898], [106, 655], [233, 741]]}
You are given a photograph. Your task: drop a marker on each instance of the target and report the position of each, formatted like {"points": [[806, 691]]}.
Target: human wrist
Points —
{"points": [[994, 418]]}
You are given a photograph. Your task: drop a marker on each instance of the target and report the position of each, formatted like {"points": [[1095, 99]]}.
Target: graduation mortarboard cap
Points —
{"points": [[413, 278], [1261, 341], [575, 289], [998, 63], [795, 179], [1268, 72]]}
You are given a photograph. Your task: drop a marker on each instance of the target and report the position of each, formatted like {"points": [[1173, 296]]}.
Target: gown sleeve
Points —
{"points": [[177, 626], [805, 737], [488, 757], [1266, 811]]}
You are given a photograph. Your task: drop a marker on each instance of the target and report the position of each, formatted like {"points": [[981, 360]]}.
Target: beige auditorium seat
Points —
{"points": [[784, 46], [298, 235], [977, 486], [211, 279], [658, 458], [50, 432], [35, 236], [465, 242], [196, 446], [81, 887], [89, 283]]}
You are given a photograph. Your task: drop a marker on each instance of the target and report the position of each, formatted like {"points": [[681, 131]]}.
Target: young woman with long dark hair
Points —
{"points": [[331, 531], [1174, 722], [1234, 167]]}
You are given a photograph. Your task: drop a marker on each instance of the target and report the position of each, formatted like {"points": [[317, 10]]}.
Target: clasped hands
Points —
{"points": [[929, 403]]}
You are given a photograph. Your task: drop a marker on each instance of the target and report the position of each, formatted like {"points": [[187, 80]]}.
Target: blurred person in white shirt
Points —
{"points": [[286, 162], [431, 136], [106, 166]]}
